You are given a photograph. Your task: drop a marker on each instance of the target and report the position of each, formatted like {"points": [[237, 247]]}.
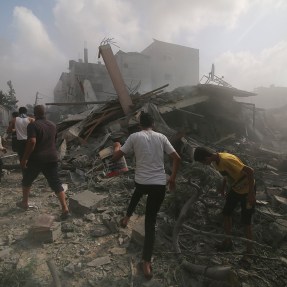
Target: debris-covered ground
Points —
{"points": [[90, 249]]}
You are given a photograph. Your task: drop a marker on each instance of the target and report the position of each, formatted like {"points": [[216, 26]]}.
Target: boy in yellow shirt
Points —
{"points": [[240, 180]]}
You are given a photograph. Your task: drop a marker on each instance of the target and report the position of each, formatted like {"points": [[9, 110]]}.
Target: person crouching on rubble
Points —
{"points": [[148, 147], [240, 179]]}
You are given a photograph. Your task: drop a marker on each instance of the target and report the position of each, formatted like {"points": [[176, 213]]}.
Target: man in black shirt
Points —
{"points": [[41, 156]]}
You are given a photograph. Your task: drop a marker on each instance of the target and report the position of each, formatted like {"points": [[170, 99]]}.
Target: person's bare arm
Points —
{"points": [[11, 126], [117, 152], [30, 145], [175, 166], [117, 155], [31, 120]]}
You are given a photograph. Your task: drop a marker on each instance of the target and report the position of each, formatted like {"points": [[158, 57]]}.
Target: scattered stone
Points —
{"points": [[100, 230], [68, 235], [67, 227], [85, 202], [90, 217], [70, 268], [45, 229], [102, 209], [118, 251], [121, 240], [111, 225], [99, 261], [9, 239], [78, 222], [5, 252]]}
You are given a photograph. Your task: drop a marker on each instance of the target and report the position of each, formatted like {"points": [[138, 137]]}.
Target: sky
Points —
{"points": [[245, 39]]}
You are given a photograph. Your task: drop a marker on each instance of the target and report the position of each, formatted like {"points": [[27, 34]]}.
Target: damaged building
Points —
{"points": [[105, 101], [156, 65], [206, 111]]}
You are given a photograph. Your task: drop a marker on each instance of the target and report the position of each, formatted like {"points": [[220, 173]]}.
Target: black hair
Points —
{"points": [[22, 110], [15, 114], [146, 120], [201, 153]]}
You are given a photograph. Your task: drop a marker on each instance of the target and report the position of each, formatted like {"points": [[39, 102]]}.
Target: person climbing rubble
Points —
{"points": [[238, 178], [148, 147]]}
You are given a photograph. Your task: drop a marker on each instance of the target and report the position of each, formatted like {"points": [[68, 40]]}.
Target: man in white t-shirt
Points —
{"points": [[148, 147], [20, 124]]}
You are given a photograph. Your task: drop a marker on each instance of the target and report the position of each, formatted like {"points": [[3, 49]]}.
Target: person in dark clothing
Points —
{"points": [[150, 178], [41, 156]]}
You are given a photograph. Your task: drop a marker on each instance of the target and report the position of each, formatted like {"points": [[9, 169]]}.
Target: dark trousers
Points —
{"points": [[49, 170], [232, 200], [14, 142], [155, 196], [21, 145]]}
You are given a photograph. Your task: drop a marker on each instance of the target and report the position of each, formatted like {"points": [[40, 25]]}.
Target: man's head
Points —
{"points": [[22, 110], [39, 111], [203, 155], [146, 120], [15, 114]]}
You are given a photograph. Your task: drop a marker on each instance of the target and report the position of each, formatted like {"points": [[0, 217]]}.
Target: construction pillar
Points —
{"points": [[116, 77]]}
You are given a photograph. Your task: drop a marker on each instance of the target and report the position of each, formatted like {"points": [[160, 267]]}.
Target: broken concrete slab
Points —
{"points": [[100, 230], [118, 251], [85, 202], [45, 229], [99, 261]]}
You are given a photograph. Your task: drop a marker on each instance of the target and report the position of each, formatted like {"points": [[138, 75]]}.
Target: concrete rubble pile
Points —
{"points": [[92, 250], [192, 235]]}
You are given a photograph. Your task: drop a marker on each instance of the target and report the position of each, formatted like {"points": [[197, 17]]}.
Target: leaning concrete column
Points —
{"points": [[116, 77]]}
